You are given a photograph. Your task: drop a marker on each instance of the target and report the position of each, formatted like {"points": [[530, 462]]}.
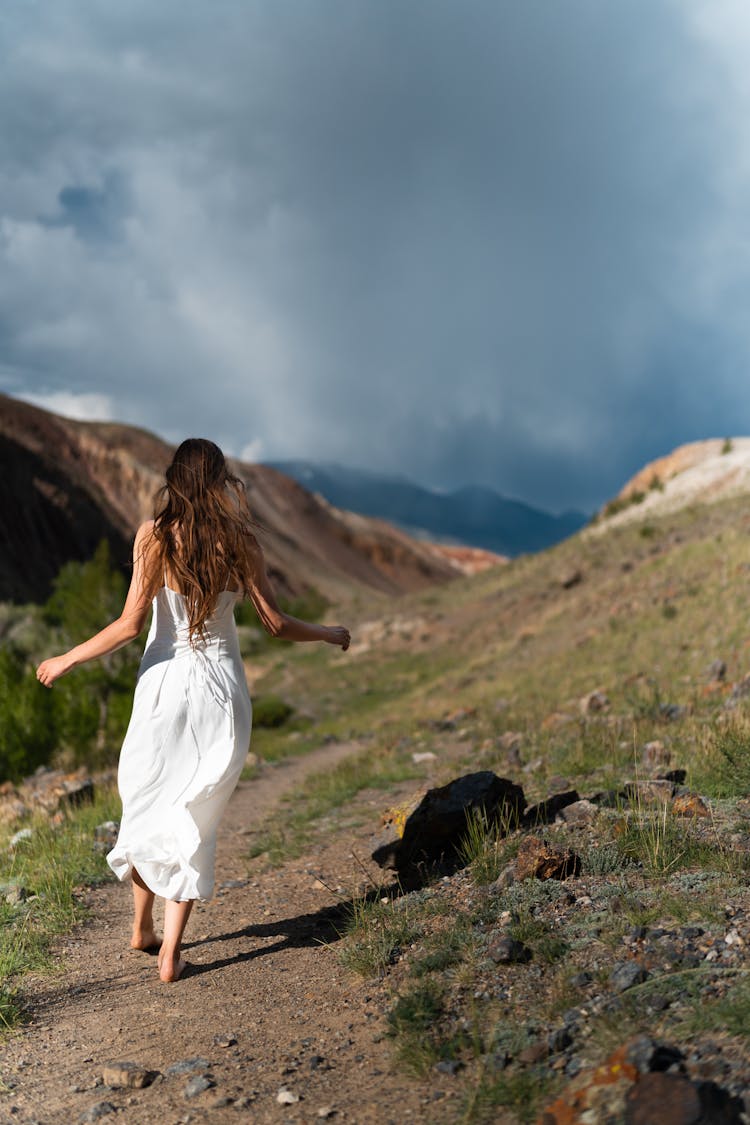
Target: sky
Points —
{"points": [[477, 241]]}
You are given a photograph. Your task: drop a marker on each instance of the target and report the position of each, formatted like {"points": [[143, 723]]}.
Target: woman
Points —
{"points": [[189, 731]]}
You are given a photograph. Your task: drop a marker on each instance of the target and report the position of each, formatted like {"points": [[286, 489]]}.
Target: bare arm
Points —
{"points": [[280, 624], [127, 626]]}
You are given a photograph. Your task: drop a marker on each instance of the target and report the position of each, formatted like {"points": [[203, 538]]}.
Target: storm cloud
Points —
{"points": [[478, 241]]}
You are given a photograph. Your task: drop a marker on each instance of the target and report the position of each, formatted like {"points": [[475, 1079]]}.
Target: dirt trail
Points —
{"points": [[261, 973]]}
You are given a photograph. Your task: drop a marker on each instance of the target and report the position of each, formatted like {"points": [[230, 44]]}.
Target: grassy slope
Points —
{"points": [[657, 603]]}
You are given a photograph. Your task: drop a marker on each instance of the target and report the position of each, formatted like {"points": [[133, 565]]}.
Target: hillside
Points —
{"points": [[65, 485], [474, 516], [701, 471]]}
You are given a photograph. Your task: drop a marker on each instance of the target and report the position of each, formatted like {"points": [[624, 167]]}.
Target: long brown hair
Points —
{"points": [[203, 529]]}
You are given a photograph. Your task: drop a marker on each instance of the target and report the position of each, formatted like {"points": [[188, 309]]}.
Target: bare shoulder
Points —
{"points": [[145, 540]]}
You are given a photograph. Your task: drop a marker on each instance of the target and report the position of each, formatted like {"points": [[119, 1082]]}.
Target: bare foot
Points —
{"points": [[145, 940], [171, 969]]}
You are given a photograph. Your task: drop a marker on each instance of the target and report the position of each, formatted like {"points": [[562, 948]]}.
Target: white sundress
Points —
{"points": [[186, 744]]}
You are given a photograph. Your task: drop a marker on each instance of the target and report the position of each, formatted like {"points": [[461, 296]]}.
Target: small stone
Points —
{"points": [[559, 1040], [593, 702], [656, 792], [655, 755], [286, 1097], [578, 813], [626, 974], [689, 804], [717, 670], [187, 1066], [581, 980], [505, 879], [507, 951], [534, 1053], [128, 1075], [316, 1062], [571, 578], [225, 1040], [198, 1085], [537, 859], [94, 1112], [420, 756], [448, 1066], [14, 893], [20, 836], [326, 1111]]}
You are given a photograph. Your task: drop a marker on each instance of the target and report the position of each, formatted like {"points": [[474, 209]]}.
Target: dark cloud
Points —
{"points": [[482, 241]]}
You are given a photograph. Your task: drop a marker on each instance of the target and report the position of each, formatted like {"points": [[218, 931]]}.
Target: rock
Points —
{"points": [[646, 1055], [198, 1085], [690, 804], [448, 1066], [77, 793], [626, 974], [673, 712], [505, 879], [94, 1112], [655, 755], [226, 1040], [187, 1066], [593, 702], [545, 811], [657, 792], [420, 756], [717, 670], [14, 892], [608, 798], [434, 830], [506, 950], [128, 1075], [571, 578], [538, 860], [534, 1053], [739, 691], [578, 813], [105, 835], [326, 1111], [20, 836], [286, 1097], [670, 1099], [677, 777], [559, 1040], [510, 742]]}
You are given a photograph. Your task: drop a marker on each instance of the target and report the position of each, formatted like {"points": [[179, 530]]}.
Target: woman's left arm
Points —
{"points": [[127, 626]]}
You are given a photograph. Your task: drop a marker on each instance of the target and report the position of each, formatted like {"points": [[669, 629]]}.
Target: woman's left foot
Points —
{"points": [[146, 941]]}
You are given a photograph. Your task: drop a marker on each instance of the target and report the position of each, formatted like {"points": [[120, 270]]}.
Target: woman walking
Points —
{"points": [[189, 731]]}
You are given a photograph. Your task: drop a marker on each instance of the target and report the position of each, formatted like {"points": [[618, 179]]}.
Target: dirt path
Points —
{"points": [[262, 975]]}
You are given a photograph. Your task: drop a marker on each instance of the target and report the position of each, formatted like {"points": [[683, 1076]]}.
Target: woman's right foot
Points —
{"points": [[171, 968]]}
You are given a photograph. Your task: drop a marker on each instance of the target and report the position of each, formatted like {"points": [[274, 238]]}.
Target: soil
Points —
{"points": [[264, 979]]}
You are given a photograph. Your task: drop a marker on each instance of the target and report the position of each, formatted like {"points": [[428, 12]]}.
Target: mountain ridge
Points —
{"points": [[471, 515]]}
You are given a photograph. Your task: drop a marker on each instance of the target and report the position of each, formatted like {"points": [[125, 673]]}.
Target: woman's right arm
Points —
{"points": [[280, 624], [127, 626]]}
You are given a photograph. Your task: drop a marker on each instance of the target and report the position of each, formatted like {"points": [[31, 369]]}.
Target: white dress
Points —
{"points": [[184, 750]]}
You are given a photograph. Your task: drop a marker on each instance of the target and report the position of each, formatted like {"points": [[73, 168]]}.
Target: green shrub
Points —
{"points": [[270, 711]]}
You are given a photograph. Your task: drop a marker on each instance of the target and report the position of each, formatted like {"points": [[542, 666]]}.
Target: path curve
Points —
{"points": [[263, 975]]}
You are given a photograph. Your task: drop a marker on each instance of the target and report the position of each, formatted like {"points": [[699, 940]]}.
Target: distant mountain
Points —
{"points": [[474, 515], [66, 485]]}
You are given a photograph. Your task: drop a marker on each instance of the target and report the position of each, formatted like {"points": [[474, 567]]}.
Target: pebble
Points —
{"points": [[129, 1075], [507, 951], [286, 1097], [94, 1112], [20, 836], [187, 1066], [197, 1086], [626, 974], [326, 1111], [228, 1040]]}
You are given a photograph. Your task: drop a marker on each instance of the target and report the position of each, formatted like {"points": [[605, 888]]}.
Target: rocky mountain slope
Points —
{"points": [[701, 471], [65, 485]]}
